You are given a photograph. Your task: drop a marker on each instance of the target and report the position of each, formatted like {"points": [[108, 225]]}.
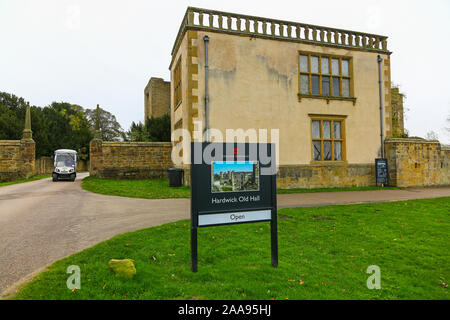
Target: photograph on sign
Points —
{"points": [[233, 176], [381, 165]]}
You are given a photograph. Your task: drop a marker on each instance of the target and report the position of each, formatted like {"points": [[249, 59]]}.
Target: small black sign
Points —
{"points": [[232, 183], [381, 171]]}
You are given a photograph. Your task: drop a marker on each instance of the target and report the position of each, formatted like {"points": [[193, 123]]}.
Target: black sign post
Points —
{"points": [[233, 183], [381, 171]]}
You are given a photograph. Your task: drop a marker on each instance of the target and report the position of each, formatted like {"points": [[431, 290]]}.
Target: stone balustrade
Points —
{"points": [[204, 19]]}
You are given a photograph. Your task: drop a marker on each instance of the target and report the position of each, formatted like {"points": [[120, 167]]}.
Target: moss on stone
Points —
{"points": [[122, 268]]}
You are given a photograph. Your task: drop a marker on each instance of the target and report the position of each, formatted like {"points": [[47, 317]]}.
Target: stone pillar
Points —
{"points": [[28, 152], [97, 134], [27, 133], [27, 147], [96, 157], [398, 127]]}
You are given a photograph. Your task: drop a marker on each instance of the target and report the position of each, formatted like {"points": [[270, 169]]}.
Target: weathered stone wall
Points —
{"points": [[44, 165], [157, 98], [412, 162], [82, 165], [445, 166], [16, 159], [130, 160], [325, 176], [319, 176], [417, 162], [398, 126]]}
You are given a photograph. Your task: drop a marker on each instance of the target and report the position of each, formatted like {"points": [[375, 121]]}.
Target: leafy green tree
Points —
{"points": [[60, 125], [158, 128], [40, 132], [109, 127], [70, 128], [137, 132], [12, 116], [154, 130]]}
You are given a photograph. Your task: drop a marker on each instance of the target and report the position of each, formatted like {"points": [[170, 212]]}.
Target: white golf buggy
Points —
{"points": [[64, 165]]}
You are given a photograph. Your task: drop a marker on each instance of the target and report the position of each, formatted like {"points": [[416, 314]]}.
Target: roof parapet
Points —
{"points": [[219, 21]]}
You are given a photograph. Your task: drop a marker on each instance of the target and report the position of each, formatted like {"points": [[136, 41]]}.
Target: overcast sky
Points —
{"points": [[104, 51]]}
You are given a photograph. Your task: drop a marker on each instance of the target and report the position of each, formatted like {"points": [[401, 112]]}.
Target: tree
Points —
{"points": [[154, 130], [12, 121], [109, 127], [68, 128], [158, 128], [137, 132], [431, 135], [60, 125], [12, 116]]}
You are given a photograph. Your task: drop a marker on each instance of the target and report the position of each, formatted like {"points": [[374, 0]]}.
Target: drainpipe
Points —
{"points": [[380, 85], [206, 40]]}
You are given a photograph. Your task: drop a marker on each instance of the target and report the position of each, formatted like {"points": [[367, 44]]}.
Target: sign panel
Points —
{"points": [[381, 171], [234, 217], [232, 183]]}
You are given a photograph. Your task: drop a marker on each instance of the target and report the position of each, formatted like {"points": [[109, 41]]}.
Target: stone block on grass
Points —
{"points": [[122, 268]]}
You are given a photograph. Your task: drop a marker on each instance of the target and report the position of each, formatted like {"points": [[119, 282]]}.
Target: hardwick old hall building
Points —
{"points": [[322, 87]]}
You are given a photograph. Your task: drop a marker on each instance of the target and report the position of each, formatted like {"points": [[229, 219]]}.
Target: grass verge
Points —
{"points": [[159, 188], [148, 189], [33, 178], [324, 253]]}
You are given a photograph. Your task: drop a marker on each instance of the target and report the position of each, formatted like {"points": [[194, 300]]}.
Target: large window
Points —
{"points": [[328, 138], [325, 76], [177, 83]]}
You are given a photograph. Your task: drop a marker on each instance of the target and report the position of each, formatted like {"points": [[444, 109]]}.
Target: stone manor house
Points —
{"points": [[318, 85]]}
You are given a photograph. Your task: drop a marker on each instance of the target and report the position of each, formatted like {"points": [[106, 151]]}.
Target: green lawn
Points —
{"points": [[324, 253], [33, 178], [148, 189], [159, 188]]}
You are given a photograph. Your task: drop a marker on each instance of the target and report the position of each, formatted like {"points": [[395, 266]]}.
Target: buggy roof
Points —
{"points": [[65, 151]]}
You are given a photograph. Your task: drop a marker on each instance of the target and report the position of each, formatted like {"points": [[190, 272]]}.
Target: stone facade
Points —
{"points": [[254, 83], [16, 159], [417, 162], [129, 160], [319, 176], [326, 176], [398, 126], [157, 98]]}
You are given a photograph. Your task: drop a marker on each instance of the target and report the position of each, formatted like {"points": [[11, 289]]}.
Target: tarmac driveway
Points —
{"points": [[43, 221]]}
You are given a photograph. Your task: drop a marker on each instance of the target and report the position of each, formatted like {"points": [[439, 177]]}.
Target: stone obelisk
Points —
{"points": [[27, 133]]}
